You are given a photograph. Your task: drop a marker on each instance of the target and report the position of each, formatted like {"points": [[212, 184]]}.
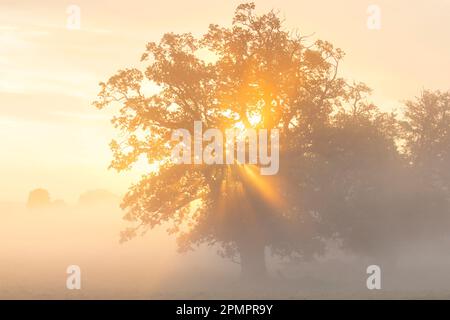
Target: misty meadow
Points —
{"points": [[357, 184]]}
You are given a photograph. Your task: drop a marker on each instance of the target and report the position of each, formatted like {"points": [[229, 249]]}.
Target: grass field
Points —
{"points": [[37, 246]]}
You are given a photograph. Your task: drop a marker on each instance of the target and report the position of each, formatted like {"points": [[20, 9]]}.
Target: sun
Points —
{"points": [[254, 118]]}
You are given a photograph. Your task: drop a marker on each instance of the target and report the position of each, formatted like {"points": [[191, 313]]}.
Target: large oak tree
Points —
{"points": [[336, 149]]}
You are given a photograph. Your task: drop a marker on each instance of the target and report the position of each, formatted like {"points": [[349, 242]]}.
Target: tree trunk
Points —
{"points": [[253, 260]]}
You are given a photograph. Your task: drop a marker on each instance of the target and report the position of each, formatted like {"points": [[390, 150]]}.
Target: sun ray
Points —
{"points": [[264, 185]]}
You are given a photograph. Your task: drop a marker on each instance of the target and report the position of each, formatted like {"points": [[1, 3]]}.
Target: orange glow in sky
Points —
{"points": [[52, 137]]}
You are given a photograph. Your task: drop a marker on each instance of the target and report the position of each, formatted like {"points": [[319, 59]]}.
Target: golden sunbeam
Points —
{"points": [[262, 185]]}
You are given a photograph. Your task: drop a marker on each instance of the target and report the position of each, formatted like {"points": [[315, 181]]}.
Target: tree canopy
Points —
{"points": [[343, 174]]}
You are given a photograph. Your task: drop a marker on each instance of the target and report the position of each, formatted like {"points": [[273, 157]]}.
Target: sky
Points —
{"points": [[52, 137]]}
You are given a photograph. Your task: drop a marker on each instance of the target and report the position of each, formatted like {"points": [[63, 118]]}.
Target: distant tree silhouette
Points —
{"points": [[38, 198], [427, 136], [378, 193], [340, 173]]}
